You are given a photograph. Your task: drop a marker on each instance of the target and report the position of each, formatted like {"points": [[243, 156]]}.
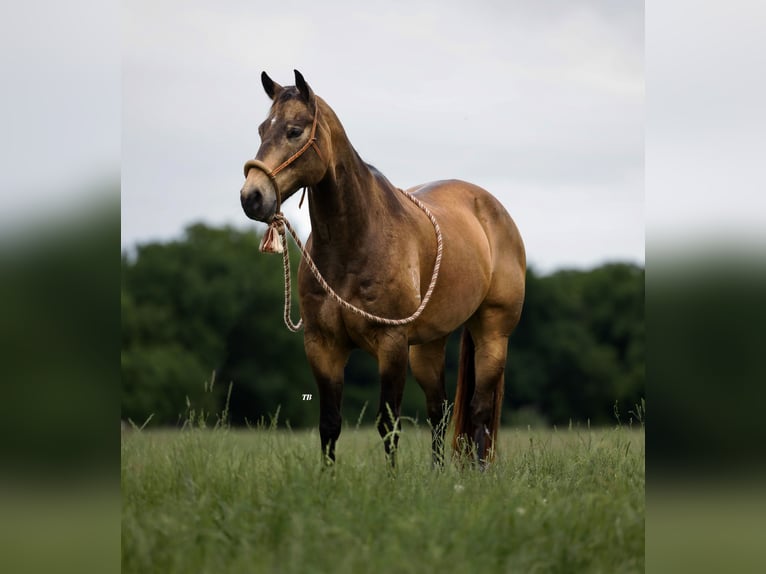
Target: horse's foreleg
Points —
{"points": [[392, 363], [427, 364], [327, 362]]}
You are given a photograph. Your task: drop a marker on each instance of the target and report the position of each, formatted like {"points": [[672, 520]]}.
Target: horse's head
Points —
{"points": [[284, 162]]}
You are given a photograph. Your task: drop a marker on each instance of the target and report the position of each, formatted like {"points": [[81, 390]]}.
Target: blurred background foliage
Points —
{"points": [[209, 305]]}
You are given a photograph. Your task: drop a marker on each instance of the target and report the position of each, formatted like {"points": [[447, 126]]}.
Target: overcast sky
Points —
{"points": [[540, 102]]}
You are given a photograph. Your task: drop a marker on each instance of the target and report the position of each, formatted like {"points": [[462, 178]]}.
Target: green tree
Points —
{"points": [[210, 302], [579, 346]]}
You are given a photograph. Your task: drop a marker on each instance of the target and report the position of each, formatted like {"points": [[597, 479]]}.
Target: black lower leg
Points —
{"points": [[482, 417], [329, 431], [392, 362], [388, 428], [482, 440], [329, 419]]}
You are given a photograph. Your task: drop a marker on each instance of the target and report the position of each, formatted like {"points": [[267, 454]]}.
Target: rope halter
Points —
{"points": [[271, 240]]}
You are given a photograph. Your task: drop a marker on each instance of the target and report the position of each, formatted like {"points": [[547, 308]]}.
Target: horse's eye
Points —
{"points": [[294, 132]]}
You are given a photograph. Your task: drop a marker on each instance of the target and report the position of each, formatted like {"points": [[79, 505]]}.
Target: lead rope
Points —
{"points": [[275, 240]]}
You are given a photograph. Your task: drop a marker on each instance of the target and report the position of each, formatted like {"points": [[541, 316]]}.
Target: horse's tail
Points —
{"points": [[466, 383]]}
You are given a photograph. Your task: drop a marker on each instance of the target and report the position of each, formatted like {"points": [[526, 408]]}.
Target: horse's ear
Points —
{"points": [[271, 87], [305, 90]]}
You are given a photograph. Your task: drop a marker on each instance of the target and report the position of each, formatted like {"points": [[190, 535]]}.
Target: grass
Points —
{"points": [[221, 500]]}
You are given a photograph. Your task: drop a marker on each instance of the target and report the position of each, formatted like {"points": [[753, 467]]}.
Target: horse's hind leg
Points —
{"points": [[427, 363], [490, 332]]}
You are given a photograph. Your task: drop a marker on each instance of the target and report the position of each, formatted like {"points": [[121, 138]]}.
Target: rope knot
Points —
{"points": [[273, 239]]}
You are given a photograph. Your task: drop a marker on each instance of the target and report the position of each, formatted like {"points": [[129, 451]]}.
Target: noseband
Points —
{"points": [[272, 173]]}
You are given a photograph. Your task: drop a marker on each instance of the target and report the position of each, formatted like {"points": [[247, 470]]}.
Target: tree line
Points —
{"points": [[208, 307]]}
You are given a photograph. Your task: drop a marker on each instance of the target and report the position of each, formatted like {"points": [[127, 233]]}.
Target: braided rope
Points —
{"points": [[280, 222]]}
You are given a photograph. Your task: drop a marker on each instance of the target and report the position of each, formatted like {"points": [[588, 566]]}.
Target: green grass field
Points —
{"points": [[259, 500]]}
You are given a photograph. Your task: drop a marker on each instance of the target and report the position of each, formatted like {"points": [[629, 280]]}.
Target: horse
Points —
{"points": [[379, 249]]}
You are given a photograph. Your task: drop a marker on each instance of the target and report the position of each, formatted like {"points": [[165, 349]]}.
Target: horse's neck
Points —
{"points": [[352, 202]]}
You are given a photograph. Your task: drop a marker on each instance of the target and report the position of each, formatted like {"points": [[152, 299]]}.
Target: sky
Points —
{"points": [[60, 112], [541, 103]]}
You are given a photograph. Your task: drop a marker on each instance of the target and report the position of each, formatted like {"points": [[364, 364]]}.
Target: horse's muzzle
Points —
{"points": [[256, 204]]}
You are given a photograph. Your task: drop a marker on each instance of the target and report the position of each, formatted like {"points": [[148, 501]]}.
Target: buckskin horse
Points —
{"points": [[389, 271]]}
